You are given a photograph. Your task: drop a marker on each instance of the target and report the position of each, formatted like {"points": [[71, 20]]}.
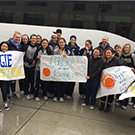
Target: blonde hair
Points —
{"points": [[122, 50], [16, 32], [104, 57]]}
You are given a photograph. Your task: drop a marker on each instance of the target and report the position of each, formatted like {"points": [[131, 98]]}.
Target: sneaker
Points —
{"points": [[84, 104], [124, 107], [37, 99], [81, 96], [133, 118], [45, 98], [61, 99], [32, 96], [28, 97], [10, 100], [117, 104], [15, 96], [131, 103], [22, 92], [91, 107], [133, 106], [0, 110], [68, 97], [55, 99], [6, 107]]}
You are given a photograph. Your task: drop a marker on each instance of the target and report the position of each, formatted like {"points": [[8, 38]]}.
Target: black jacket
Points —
{"points": [[95, 67], [114, 62]]}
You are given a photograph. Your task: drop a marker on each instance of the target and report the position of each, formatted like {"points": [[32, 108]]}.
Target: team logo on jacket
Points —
{"points": [[108, 81]]}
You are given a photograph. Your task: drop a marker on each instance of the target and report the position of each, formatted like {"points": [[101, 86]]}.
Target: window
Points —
{"points": [[102, 26], [126, 8], [8, 17], [76, 24], [123, 29], [105, 8], [79, 7]]}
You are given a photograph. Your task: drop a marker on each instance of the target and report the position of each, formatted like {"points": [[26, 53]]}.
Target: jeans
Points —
{"points": [[91, 87], [5, 88], [29, 79]]}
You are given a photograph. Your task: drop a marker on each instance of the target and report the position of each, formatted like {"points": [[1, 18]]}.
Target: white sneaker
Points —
{"points": [[55, 99], [83, 104], [91, 107], [37, 99], [28, 97], [45, 98], [0, 110], [134, 106], [124, 107], [61, 99], [68, 97], [22, 92], [131, 103], [32, 96], [6, 107]]}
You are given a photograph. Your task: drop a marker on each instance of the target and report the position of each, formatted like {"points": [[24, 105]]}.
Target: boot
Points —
{"points": [[107, 109], [101, 107]]}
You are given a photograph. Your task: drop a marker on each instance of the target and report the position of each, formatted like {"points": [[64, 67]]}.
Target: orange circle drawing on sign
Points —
{"points": [[46, 72], [109, 82]]}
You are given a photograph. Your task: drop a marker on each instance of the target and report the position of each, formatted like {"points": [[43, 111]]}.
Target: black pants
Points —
{"points": [[82, 88], [60, 89], [70, 88], [37, 82], [110, 99], [29, 79]]}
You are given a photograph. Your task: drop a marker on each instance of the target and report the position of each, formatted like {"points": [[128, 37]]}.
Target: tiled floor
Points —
{"points": [[28, 117]]}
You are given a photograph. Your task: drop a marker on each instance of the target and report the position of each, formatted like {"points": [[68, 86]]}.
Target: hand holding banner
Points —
{"points": [[115, 80], [66, 69], [11, 65]]}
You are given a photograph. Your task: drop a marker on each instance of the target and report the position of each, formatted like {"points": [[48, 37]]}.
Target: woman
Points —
{"points": [[128, 59], [60, 86], [75, 52], [86, 51], [42, 50], [109, 61], [5, 85], [93, 78]]}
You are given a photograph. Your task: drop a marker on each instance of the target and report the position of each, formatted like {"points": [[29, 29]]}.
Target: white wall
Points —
{"points": [[7, 31]]}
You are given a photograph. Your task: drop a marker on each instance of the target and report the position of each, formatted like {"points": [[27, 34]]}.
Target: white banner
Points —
{"points": [[115, 80], [11, 65], [129, 93], [66, 69]]}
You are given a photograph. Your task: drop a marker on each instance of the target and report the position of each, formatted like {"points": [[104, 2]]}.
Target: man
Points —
{"points": [[104, 44], [58, 33]]}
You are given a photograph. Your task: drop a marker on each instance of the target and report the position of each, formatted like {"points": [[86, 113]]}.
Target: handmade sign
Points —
{"points": [[115, 80], [129, 93], [11, 65], [66, 69]]}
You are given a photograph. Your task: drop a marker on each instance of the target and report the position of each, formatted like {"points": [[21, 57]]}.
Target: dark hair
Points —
{"points": [[63, 40], [44, 40], [117, 45], [22, 39], [90, 42], [33, 35], [4, 42], [39, 36], [73, 36], [97, 49]]}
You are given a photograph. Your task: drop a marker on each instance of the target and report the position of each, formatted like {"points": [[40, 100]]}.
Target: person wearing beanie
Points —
{"points": [[42, 50], [58, 33]]}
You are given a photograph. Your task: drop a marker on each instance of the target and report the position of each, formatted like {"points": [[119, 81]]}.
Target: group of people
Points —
{"points": [[99, 58]]}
